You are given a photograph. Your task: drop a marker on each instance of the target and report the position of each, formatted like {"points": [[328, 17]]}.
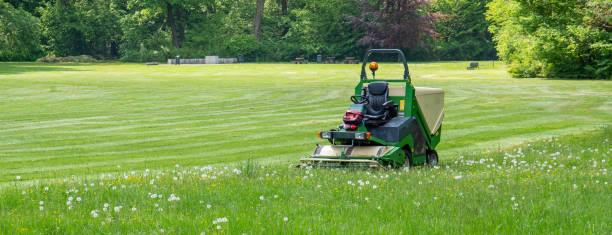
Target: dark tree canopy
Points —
{"points": [[395, 23]]}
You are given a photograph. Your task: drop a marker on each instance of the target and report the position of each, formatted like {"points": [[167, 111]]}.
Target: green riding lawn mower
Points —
{"points": [[390, 123]]}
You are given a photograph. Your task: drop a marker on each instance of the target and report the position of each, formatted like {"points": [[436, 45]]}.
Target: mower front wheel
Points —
{"points": [[432, 157], [407, 157]]}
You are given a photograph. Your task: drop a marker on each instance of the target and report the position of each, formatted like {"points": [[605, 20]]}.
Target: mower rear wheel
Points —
{"points": [[407, 157], [432, 157]]}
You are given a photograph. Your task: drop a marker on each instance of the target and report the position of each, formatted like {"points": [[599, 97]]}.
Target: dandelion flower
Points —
{"points": [[374, 186], [458, 177], [275, 196], [208, 206], [512, 198], [285, 219], [46, 188], [133, 209], [18, 177], [261, 197], [41, 203], [41, 208]]}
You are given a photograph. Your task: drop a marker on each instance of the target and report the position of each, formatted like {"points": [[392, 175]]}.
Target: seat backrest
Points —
{"points": [[378, 94]]}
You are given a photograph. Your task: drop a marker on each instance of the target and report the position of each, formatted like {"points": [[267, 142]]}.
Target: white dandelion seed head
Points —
{"points": [[208, 206], [261, 197], [285, 219], [18, 177]]}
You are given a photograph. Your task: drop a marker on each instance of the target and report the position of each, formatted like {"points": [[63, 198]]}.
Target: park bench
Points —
{"points": [[330, 60], [300, 60], [350, 60], [473, 65], [152, 63]]}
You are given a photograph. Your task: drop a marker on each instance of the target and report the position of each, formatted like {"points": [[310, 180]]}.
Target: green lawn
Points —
{"points": [[89, 148], [63, 119], [552, 186]]}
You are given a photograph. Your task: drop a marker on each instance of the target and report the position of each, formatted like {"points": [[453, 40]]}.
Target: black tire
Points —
{"points": [[432, 157], [407, 157]]}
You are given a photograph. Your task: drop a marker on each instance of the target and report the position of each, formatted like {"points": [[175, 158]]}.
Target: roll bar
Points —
{"points": [[364, 76]]}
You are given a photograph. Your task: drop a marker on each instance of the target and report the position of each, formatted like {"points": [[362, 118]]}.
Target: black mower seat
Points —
{"points": [[377, 96]]}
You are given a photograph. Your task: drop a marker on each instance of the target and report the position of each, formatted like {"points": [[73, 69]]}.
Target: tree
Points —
{"points": [[394, 23], [557, 38], [283, 7], [81, 27], [463, 32], [257, 20], [19, 34]]}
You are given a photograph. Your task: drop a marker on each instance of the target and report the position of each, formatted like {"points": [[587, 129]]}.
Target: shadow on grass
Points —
{"points": [[29, 67], [578, 79]]}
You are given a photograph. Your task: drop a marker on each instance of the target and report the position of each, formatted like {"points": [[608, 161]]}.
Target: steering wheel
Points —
{"points": [[362, 101]]}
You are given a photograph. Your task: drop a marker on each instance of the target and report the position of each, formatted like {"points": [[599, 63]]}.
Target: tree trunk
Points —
{"points": [[284, 7], [180, 26], [257, 21], [172, 25]]}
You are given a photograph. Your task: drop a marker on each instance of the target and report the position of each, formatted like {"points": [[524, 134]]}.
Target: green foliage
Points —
{"points": [[74, 27], [463, 31], [245, 44], [19, 34], [566, 39], [144, 38]]}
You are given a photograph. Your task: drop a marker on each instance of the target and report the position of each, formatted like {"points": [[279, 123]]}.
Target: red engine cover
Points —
{"points": [[352, 119]]}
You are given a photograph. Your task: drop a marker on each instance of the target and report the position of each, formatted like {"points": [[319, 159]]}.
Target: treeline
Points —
{"points": [[553, 38], [261, 30]]}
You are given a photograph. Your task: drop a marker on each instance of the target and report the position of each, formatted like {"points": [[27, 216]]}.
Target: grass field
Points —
{"points": [[125, 127], [60, 120]]}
